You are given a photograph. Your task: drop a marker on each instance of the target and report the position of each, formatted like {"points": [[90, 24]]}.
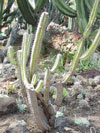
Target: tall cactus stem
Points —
{"points": [[38, 42]]}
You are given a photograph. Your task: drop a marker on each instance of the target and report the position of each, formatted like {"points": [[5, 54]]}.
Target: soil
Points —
{"points": [[90, 73]]}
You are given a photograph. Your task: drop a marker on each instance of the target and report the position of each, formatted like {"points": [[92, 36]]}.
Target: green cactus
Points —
{"points": [[39, 86], [81, 42], [29, 9], [34, 80], [37, 43], [64, 8], [56, 64], [81, 12], [89, 4], [92, 48]]}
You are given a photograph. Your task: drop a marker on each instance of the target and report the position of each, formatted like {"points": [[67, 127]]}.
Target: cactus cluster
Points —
{"points": [[27, 76], [27, 72], [26, 68]]}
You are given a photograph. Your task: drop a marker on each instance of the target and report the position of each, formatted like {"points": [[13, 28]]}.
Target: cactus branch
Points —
{"points": [[92, 48], [38, 42], [57, 62], [46, 85]]}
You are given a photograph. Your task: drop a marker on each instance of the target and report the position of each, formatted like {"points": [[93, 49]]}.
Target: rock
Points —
{"points": [[61, 122], [8, 105], [16, 127]]}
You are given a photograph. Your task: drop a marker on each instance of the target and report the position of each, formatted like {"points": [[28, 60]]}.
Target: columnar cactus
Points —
{"points": [[81, 43]]}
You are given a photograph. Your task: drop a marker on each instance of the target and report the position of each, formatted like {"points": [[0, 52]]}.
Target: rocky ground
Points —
{"points": [[79, 113]]}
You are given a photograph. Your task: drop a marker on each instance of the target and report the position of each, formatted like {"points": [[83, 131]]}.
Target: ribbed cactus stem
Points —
{"points": [[11, 55], [28, 45], [92, 48], [38, 42], [46, 86], [27, 86], [24, 58], [39, 86], [81, 42], [91, 19], [39, 4], [57, 62], [59, 97], [34, 80]]}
